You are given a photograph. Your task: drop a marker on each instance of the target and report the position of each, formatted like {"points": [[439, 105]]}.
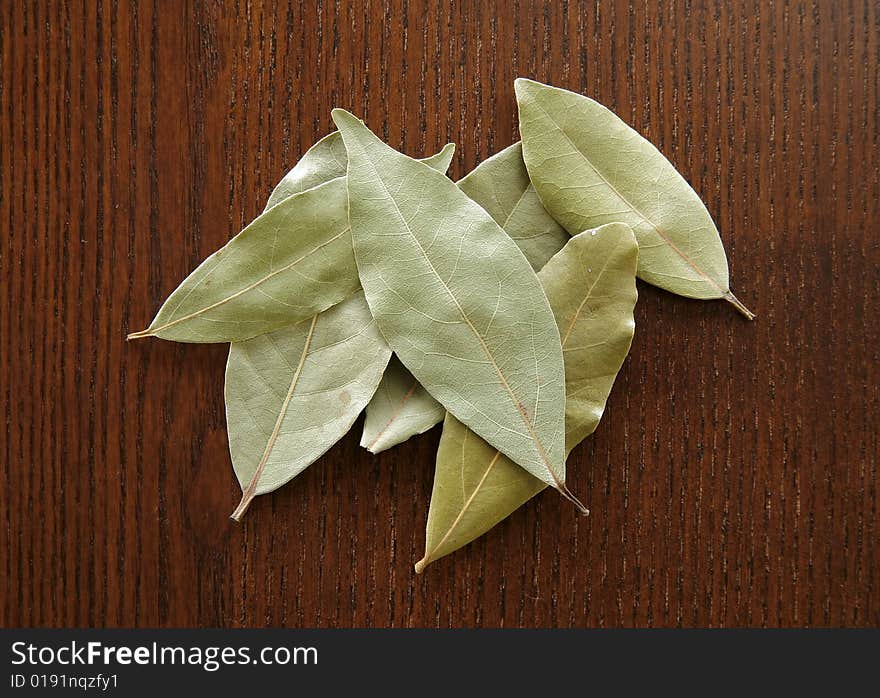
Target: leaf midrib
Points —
{"points": [[429, 556], [400, 405], [251, 489], [515, 207], [587, 297], [519, 406]]}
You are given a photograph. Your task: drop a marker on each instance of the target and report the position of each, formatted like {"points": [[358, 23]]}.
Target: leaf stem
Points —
{"points": [[243, 505], [736, 303], [565, 492], [139, 335]]}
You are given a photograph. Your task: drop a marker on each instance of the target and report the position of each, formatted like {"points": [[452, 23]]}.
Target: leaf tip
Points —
{"points": [[368, 446], [522, 84], [368, 441], [343, 118], [738, 304]]}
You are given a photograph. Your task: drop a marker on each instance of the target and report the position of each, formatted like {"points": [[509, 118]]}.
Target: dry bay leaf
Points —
{"points": [[591, 286], [590, 168], [474, 327], [401, 407], [293, 393]]}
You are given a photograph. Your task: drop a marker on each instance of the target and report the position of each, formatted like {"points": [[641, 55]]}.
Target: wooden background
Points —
{"points": [[734, 479]]}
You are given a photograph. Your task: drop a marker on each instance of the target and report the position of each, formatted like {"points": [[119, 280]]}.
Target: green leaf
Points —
{"points": [[591, 287], [401, 408], [501, 185], [457, 301], [590, 168], [291, 262], [293, 393], [294, 260]]}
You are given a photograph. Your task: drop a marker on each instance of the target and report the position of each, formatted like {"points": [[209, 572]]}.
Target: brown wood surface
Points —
{"points": [[734, 478]]}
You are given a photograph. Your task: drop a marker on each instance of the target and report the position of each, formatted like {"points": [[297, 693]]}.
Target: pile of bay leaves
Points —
{"points": [[501, 305]]}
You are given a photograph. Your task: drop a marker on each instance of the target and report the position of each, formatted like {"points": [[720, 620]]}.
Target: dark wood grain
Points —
{"points": [[734, 479]]}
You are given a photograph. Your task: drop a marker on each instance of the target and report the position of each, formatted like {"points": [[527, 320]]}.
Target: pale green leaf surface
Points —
{"points": [[457, 301], [326, 160], [591, 287], [501, 185], [293, 393], [400, 409], [590, 168], [294, 259]]}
